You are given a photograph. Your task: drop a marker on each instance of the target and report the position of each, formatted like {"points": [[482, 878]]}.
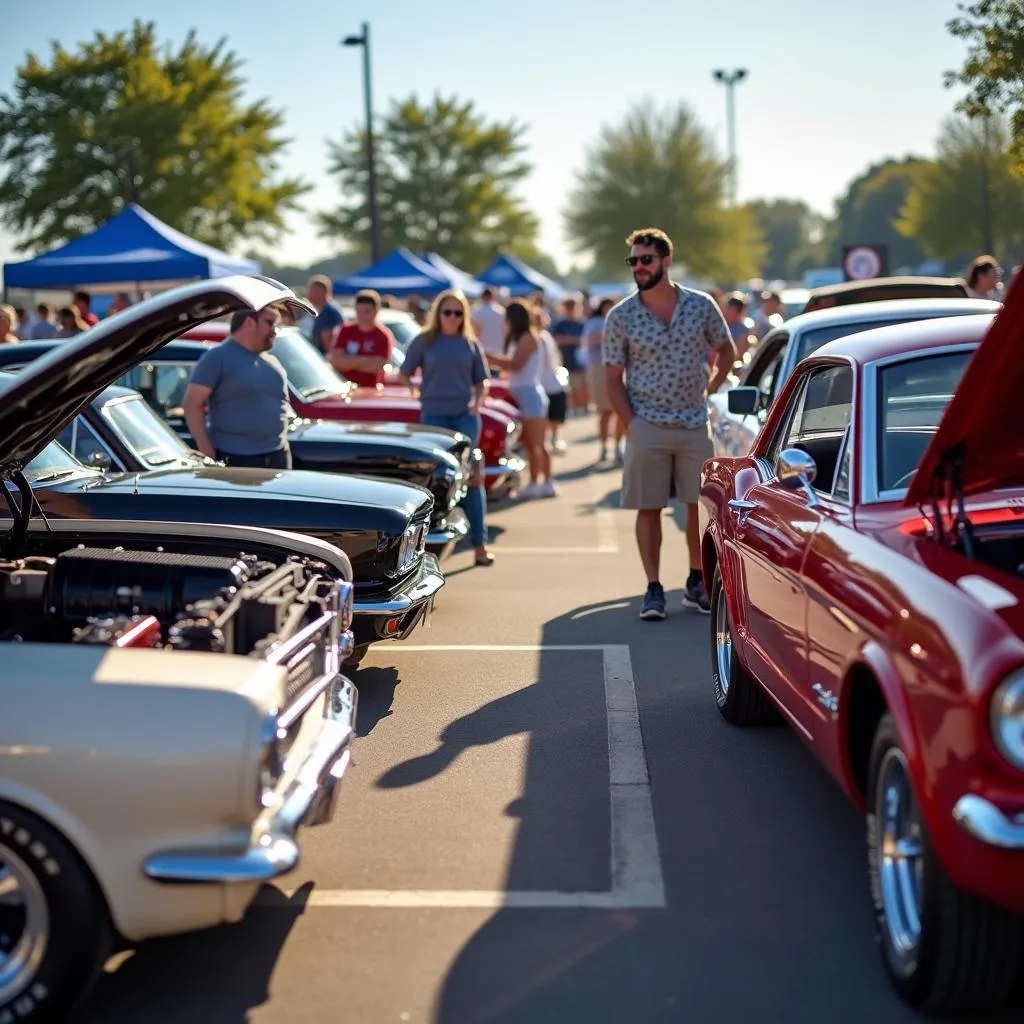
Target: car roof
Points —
{"points": [[898, 339], [877, 283], [886, 309]]}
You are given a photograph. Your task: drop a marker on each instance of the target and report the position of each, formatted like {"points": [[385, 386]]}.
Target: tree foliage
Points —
{"points": [[993, 70], [121, 121], [793, 235], [969, 199], [446, 182], [660, 168], [869, 211]]}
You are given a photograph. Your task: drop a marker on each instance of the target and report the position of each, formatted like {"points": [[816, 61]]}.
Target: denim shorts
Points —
{"points": [[532, 402]]}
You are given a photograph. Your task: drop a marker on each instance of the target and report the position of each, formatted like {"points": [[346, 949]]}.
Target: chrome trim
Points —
{"points": [[867, 488], [984, 821], [309, 799], [427, 582], [456, 527], [289, 647], [507, 465]]}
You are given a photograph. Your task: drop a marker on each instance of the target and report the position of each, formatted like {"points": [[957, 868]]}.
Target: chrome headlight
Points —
{"points": [[271, 765], [1007, 718], [413, 543]]}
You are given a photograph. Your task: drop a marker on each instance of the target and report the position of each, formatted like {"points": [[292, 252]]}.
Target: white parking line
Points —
{"points": [[636, 874]]}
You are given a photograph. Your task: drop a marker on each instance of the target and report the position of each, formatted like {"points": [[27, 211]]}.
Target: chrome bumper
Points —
{"points": [[456, 527], [508, 465], [310, 799], [983, 820], [424, 585]]}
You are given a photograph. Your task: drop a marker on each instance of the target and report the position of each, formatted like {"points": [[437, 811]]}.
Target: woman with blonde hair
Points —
{"points": [[523, 359], [8, 324], [454, 382]]}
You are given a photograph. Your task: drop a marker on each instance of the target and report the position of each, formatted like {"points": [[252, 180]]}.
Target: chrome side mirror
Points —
{"points": [[99, 460], [796, 470]]}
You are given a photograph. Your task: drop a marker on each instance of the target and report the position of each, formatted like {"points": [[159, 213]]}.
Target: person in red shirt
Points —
{"points": [[362, 349], [83, 302]]}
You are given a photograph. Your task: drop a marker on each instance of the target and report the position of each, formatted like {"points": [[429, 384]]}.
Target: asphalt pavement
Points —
{"points": [[548, 821]]}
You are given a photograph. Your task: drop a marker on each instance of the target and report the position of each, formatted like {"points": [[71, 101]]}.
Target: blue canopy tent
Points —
{"points": [[520, 279], [132, 246], [399, 273], [459, 278]]}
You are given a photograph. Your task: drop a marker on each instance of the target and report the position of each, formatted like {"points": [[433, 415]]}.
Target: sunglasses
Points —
{"points": [[645, 260], [451, 312]]}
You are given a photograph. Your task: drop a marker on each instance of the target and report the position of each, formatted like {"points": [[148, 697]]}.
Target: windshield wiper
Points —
{"points": [[57, 474], [316, 389], [165, 461]]}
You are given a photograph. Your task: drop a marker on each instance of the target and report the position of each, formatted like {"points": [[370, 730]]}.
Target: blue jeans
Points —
{"points": [[475, 501]]}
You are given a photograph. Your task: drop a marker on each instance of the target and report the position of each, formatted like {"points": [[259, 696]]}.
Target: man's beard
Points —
{"points": [[655, 278]]}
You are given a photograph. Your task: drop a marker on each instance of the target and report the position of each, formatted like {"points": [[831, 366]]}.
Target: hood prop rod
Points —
{"points": [[21, 512], [950, 473]]}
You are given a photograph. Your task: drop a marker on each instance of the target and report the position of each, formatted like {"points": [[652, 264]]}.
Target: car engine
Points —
{"points": [[117, 597]]}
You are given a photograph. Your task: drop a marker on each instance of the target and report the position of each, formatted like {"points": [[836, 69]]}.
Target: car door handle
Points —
{"points": [[742, 508]]}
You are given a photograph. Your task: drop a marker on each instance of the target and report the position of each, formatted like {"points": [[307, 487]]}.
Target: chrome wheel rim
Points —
{"points": [[723, 642], [24, 925], [900, 854]]}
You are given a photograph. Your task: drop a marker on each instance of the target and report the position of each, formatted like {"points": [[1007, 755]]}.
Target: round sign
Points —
{"points": [[862, 263]]}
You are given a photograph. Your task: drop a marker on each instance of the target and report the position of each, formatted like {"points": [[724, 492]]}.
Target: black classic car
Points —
{"points": [[381, 525], [122, 437]]}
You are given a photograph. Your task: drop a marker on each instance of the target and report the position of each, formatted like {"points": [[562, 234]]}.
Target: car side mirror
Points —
{"points": [[743, 400], [99, 460], [796, 471]]}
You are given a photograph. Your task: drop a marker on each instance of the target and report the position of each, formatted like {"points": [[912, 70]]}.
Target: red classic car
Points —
{"points": [[866, 562], [319, 392]]}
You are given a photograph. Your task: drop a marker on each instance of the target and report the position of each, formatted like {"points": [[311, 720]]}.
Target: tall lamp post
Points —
{"points": [[729, 79], [363, 40]]}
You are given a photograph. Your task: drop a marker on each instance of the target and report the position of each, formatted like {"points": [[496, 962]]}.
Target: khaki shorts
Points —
{"points": [[655, 455]]}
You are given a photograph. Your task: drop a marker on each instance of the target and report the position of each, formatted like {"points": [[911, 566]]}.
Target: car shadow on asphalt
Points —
{"points": [[767, 916], [376, 687], [215, 977]]}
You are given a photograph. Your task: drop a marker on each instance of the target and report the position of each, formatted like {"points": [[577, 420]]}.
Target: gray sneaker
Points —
{"points": [[653, 607], [695, 596]]}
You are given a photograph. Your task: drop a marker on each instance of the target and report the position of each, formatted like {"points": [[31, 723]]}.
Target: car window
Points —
{"points": [[822, 412], [764, 362], [810, 341], [912, 398], [162, 385], [81, 440]]}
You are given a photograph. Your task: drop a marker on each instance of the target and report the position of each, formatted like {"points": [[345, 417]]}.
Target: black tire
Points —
{"points": [[355, 658], [76, 936], [967, 956], [740, 698]]}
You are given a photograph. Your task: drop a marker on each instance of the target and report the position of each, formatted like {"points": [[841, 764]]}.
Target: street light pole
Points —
{"points": [[729, 79], [363, 40]]}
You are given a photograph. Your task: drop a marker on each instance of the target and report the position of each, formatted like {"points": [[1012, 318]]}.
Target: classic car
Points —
{"points": [[381, 525], [318, 391], [866, 562], [881, 288], [118, 432], [736, 415], [203, 718]]}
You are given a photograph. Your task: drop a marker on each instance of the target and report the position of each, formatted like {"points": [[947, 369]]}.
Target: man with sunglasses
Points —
{"points": [[656, 348], [236, 403]]}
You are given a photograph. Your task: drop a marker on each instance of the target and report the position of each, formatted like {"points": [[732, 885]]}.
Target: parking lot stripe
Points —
{"points": [[637, 882]]}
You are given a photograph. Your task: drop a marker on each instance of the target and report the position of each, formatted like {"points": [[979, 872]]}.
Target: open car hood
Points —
{"points": [[980, 428], [50, 391]]}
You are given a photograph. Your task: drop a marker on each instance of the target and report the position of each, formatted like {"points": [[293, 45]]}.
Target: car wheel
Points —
{"points": [[740, 699], [945, 950], [55, 932], [354, 659]]}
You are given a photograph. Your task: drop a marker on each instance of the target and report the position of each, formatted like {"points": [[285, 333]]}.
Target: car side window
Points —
{"points": [[81, 440], [162, 385], [822, 413]]}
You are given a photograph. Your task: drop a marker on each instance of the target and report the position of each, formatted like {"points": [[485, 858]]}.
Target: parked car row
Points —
{"points": [[192, 623], [863, 543]]}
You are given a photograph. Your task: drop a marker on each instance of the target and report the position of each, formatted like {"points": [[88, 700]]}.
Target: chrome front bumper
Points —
{"points": [[426, 582], [506, 474], [310, 799], [982, 819], [455, 528]]}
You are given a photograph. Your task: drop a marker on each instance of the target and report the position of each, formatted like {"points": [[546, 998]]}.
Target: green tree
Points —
{"points": [[871, 207], [993, 70], [969, 200], [792, 233], [446, 179], [121, 120], [660, 168]]}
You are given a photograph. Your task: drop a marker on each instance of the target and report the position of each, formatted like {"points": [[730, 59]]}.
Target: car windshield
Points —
{"points": [[912, 397], [146, 435], [308, 372], [404, 330], [53, 463]]}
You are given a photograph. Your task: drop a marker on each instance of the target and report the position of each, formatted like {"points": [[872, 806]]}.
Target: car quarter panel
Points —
{"points": [[129, 767]]}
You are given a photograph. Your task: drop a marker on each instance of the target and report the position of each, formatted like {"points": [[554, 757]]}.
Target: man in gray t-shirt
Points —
{"points": [[236, 403]]}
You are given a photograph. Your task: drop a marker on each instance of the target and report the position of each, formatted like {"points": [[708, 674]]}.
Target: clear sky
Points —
{"points": [[832, 86]]}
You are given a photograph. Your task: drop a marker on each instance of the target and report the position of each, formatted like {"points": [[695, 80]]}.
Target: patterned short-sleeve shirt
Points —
{"points": [[667, 368]]}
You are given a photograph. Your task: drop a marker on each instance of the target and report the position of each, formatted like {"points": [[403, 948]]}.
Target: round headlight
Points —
{"points": [[1008, 719]]}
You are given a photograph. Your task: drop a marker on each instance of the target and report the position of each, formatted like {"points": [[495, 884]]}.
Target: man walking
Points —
{"points": [[660, 339], [244, 392]]}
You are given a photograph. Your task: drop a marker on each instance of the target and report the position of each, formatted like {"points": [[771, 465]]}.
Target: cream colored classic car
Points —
{"points": [[171, 707]]}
